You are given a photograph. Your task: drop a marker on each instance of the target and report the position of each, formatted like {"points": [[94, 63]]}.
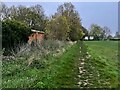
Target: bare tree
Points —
{"points": [[106, 31], [4, 12]]}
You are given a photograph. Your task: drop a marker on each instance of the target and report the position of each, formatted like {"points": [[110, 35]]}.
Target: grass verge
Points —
{"points": [[57, 72]]}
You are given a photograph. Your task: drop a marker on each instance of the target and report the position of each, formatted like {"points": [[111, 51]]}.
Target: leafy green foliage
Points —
{"points": [[85, 31], [58, 28], [70, 19], [33, 16], [99, 33], [13, 33], [96, 31]]}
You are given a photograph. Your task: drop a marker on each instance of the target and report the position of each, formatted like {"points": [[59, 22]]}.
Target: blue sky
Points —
{"points": [[101, 13]]}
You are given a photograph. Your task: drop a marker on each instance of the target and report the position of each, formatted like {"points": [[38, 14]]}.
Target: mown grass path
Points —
{"points": [[98, 65], [88, 75], [63, 72]]}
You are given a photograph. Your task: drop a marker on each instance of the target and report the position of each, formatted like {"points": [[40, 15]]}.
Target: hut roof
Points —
{"points": [[37, 31]]}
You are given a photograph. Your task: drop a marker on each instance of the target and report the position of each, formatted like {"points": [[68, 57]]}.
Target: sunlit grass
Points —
{"points": [[105, 60]]}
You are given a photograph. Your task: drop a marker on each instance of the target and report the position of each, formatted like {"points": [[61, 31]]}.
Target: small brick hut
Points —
{"points": [[37, 36]]}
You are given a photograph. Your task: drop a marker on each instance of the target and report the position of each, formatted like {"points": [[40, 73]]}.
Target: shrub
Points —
{"points": [[37, 55], [13, 32]]}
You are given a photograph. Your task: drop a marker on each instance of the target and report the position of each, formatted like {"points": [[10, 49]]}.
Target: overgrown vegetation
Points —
{"points": [[50, 71], [13, 33]]}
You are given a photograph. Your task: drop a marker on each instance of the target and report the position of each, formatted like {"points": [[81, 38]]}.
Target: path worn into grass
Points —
{"points": [[87, 73], [89, 76], [74, 69]]}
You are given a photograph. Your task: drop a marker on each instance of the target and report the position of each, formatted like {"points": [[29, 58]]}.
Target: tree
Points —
{"points": [[76, 34], [117, 35], [38, 20], [96, 31], [4, 12], [13, 12], [33, 16], [68, 10], [109, 37], [14, 33], [106, 31], [85, 31], [58, 28], [38, 10]]}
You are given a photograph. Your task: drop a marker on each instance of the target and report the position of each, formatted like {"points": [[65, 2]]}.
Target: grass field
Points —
{"points": [[105, 60], [101, 68]]}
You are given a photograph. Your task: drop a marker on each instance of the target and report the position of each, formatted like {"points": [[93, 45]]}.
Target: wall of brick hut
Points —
{"points": [[37, 36]]}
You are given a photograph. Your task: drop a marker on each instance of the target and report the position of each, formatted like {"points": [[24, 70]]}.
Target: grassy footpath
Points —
{"points": [[56, 72], [105, 60], [98, 61]]}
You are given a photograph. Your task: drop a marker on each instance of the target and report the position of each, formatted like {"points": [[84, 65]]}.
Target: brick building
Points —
{"points": [[36, 36]]}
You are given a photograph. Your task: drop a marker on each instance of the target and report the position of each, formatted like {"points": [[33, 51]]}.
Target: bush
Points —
{"points": [[13, 33]]}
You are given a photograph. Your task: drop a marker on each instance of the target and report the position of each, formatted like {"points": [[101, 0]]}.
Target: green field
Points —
{"points": [[101, 68], [105, 60]]}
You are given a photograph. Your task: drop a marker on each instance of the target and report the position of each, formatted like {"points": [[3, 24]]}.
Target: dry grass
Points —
{"points": [[37, 52]]}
